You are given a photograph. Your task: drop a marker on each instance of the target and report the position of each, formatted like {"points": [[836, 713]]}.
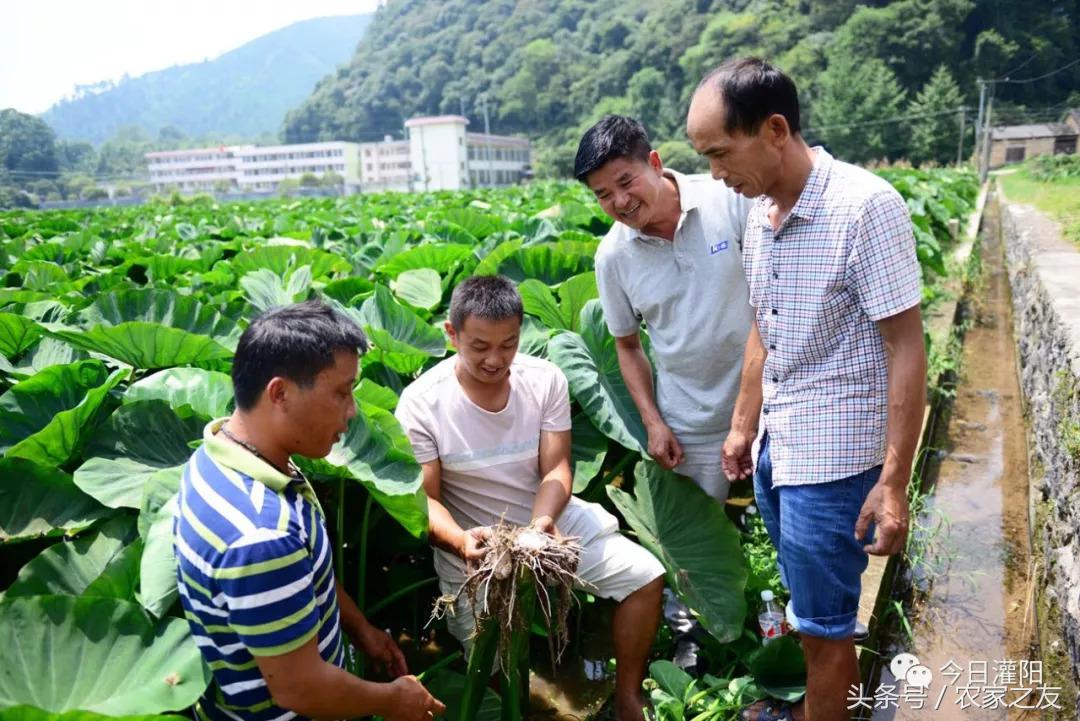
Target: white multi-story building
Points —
{"points": [[385, 165], [262, 168], [439, 154], [444, 156], [251, 167]]}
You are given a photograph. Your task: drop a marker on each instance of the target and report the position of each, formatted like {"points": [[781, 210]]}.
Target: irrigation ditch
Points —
{"points": [[989, 578]]}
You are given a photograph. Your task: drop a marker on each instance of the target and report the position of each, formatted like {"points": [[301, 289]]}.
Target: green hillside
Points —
{"points": [[245, 92], [551, 67]]}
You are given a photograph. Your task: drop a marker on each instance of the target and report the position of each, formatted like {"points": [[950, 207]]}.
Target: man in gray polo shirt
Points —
{"points": [[673, 260]]}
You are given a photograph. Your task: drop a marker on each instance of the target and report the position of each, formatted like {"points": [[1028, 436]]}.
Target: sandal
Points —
{"points": [[771, 710]]}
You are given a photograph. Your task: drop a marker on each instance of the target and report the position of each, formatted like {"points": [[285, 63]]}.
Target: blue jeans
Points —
{"points": [[821, 561]]}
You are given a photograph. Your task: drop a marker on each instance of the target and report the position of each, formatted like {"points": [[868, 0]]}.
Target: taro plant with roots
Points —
{"points": [[524, 571]]}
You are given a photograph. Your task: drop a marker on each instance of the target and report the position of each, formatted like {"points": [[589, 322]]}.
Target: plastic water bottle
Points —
{"points": [[771, 618]]}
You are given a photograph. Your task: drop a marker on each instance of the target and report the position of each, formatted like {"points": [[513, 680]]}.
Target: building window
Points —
{"points": [[1064, 146], [1014, 155]]}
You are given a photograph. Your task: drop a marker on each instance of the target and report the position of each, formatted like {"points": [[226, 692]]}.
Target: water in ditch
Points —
{"points": [[973, 614]]}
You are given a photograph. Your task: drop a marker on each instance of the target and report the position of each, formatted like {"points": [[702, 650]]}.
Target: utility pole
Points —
{"points": [[487, 140], [984, 167], [408, 142], [960, 143], [979, 119]]}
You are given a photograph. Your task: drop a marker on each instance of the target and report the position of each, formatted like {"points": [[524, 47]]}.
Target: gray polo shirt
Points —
{"points": [[692, 295]]}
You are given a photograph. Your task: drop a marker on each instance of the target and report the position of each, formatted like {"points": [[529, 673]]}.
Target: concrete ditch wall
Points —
{"points": [[1044, 272]]}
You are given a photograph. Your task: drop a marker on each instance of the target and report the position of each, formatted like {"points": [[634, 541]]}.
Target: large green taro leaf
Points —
{"points": [[44, 417], [400, 339], [420, 288], [62, 653], [30, 713], [281, 259], [139, 441], [38, 500], [479, 225], [539, 301], [265, 289], [49, 351], [209, 393], [17, 333], [164, 307], [144, 345], [550, 263], [779, 668], [383, 312], [565, 313], [440, 257], [587, 451], [574, 294], [692, 536], [94, 564], [534, 338], [376, 452], [344, 290], [157, 565], [371, 392], [591, 365]]}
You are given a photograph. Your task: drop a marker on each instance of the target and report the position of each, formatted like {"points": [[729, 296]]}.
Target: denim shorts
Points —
{"points": [[813, 528]]}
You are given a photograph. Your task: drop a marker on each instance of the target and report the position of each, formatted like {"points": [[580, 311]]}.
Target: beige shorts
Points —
{"points": [[701, 463], [611, 566]]}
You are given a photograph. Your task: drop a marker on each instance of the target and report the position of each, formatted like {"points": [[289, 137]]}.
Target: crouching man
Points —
{"points": [[255, 569], [491, 428]]}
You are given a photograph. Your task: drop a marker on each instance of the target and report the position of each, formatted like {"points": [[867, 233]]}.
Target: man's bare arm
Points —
{"points": [[301, 681], [637, 373], [556, 479], [372, 642], [735, 458], [887, 504], [443, 530]]}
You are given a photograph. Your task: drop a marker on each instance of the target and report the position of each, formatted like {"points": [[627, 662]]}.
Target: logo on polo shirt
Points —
{"points": [[717, 247]]}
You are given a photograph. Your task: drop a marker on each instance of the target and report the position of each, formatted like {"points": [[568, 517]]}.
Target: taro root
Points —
{"points": [[520, 560]]}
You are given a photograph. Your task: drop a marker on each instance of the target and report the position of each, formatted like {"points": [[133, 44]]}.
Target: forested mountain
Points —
{"points": [[552, 67], [245, 92]]}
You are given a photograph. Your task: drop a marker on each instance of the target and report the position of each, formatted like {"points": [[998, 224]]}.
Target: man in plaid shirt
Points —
{"points": [[834, 374]]}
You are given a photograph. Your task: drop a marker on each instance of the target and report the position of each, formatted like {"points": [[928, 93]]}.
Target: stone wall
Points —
{"points": [[1044, 272]]}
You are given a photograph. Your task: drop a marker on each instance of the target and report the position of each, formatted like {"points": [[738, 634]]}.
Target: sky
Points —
{"points": [[51, 45]]}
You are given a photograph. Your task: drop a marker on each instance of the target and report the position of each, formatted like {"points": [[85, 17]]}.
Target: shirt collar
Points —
{"points": [[812, 193], [226, 453]]}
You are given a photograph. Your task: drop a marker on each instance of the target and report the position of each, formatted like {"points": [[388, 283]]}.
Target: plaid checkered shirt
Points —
{"points": [[842, 259]]}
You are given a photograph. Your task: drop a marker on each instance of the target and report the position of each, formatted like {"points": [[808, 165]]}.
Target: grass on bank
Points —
{"points": [[1058, 197]]}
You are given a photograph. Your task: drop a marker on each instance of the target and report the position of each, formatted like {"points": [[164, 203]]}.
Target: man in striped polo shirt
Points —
{"points": [[834, 375], [255, 570]]}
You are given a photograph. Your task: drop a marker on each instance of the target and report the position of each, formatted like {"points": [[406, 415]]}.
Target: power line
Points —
{"points": [[1018, 67], [1039, 77], [886, 121]]}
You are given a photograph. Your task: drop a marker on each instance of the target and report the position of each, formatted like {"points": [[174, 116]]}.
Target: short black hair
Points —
{"points": [[295, 341], [752, 89], [615, 136], [489, 297]]}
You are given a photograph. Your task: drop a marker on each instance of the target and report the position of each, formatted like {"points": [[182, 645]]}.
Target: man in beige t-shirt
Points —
{"points": [[491, 428]]}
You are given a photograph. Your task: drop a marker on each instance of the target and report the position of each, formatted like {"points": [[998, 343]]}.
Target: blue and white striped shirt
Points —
{"points": [[255, 574]]}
